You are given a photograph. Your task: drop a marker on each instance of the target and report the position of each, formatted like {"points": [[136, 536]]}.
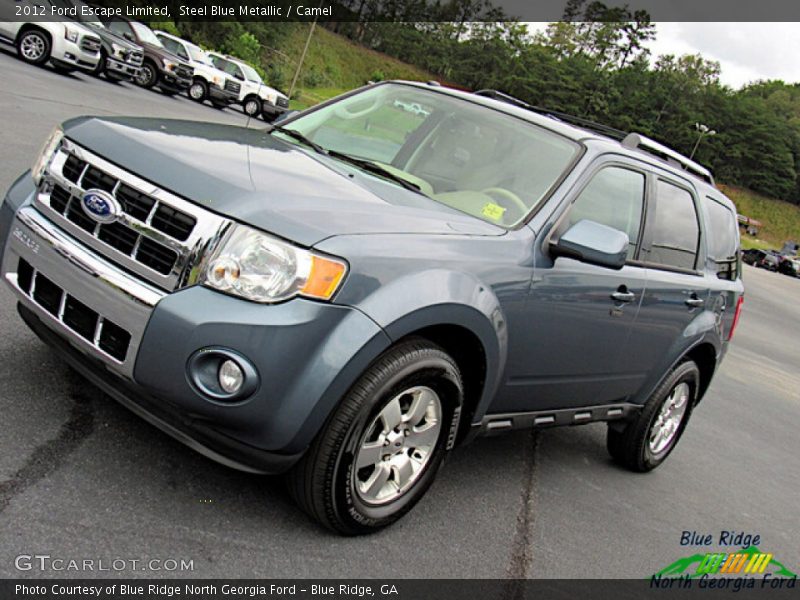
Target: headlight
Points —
{"points": [[45, 154], [217, 80], [70, 34], [271, 97], [168, 64], [262, 268], [118, 50]]}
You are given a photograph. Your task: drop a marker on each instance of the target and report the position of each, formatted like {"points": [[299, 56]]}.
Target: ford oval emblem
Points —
{"points": [[100, 206]]}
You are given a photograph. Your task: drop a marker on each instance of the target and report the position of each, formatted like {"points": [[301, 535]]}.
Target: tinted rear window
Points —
{"points": [[675, 231], [722, 239]]}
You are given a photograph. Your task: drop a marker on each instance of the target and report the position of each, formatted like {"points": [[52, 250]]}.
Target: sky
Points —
{"points": [[746, 51]]}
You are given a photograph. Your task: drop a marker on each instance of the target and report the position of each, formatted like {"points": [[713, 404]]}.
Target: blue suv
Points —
{"points": [[350, 293]]}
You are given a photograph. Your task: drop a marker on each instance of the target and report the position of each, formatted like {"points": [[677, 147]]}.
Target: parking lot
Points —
{"points": [[82, 478]]}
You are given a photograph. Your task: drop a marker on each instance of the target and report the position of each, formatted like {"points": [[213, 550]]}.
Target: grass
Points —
{"points": [[780, 220]]}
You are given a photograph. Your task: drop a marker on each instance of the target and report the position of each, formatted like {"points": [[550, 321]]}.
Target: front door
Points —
{"points": [[580, 315]]}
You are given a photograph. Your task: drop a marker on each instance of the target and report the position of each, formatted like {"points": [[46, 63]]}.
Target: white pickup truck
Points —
{"points": [[255, 96], [67, 45], [209, 82]]}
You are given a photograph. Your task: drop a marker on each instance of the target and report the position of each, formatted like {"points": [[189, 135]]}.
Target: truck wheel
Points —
{"points": [[380, 450], [198, 91], [645, 442], [33, 46], [148, 76], [252, 106]]}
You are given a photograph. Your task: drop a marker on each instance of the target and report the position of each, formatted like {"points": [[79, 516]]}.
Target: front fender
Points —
{"points": [[439, 297]]}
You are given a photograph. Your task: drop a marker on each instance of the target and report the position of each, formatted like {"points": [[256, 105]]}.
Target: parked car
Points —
{"points": [[769, 261], [348, 303], [120, 59], [208, 83], [160, 67], [752, 256], [255, 96], [67, 45], [789, 266]]}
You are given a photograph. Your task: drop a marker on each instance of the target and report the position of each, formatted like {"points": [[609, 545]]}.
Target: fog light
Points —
{"points": [[231, 377]]}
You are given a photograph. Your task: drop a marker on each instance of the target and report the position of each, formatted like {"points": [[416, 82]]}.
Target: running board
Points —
{"points": [[498, 423]]}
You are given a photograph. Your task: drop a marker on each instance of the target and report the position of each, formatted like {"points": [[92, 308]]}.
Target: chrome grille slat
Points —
{"points": [[193, 228]]}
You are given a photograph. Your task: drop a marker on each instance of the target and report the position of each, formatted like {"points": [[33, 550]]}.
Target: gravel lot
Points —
{"points": [[81, 477]]}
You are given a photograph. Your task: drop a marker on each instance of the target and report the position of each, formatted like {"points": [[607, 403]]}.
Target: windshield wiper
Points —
{"points": [[296, 135], [365, 165], [376, 169]]}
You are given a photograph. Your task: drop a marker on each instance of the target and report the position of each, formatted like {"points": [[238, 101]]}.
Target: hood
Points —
{"points": [[110, 36], [163, 52], [259, 180]]}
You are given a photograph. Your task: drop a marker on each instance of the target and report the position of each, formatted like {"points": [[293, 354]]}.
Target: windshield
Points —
{"points": [[198, 54], [250, 73], [145, 34], [477, 160]]}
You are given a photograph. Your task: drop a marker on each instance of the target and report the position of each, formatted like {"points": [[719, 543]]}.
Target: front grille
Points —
{"points": [[184, 72], [122, 238], [283, 102], [90, 44], [233, 86], [105, 335], [135, 58], [156, 236]]}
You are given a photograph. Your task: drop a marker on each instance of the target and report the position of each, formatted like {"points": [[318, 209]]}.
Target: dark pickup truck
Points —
{"points": [[355, 291]]}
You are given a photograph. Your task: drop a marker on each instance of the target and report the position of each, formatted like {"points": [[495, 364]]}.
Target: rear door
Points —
{"points": [[677, 289]]}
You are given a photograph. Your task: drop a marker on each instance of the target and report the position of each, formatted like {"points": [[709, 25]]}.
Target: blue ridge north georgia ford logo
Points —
{"points": [[100, 206]]}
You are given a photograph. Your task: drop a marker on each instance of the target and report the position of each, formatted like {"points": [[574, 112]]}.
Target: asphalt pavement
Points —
{"points": [[81, 478]]}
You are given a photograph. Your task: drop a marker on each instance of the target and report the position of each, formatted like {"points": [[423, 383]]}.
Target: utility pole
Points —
{"points": [[305, 51]]}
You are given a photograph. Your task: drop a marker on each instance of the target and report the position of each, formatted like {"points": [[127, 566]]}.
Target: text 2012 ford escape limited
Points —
{"points": [[349, 294]]}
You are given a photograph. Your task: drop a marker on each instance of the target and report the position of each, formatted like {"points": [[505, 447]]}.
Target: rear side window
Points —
{"points": [[675, 231], [614, 197], [722, 239]]}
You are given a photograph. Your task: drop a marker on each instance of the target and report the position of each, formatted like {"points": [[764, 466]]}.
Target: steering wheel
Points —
{"points": [[345, 114], [507, 195]]}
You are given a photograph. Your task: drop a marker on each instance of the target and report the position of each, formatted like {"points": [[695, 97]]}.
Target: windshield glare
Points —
{"points": [[477, 160], [250, 73], [146, 34]]}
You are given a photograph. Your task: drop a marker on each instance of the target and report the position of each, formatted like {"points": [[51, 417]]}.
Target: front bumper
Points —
{"points": [[172, 82], [121, 68], [71, 54], [273, 110], [306, 354]]}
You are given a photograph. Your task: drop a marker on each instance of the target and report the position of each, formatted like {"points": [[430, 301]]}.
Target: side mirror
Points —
{"points": [[593, 243]]}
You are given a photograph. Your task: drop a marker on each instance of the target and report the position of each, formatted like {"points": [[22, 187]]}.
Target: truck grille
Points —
{"points": [[135, 58], [184, 72], [282, 102], [90, 44], [233, 86], [102, 333], [157, 236]]}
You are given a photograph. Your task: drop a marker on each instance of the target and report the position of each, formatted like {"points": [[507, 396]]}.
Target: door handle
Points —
{"points": [[622, 295], [694, 301]]}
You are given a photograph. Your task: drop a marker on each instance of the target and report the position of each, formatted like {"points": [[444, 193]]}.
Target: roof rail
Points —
{"points": [[606, 130], [636, 141]]}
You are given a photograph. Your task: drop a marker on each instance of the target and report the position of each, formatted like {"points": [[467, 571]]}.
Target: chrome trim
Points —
{"points": [[98, 284], [207, 231]]}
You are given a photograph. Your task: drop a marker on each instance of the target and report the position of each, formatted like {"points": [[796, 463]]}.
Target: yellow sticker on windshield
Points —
{"points": [[493, 211]]}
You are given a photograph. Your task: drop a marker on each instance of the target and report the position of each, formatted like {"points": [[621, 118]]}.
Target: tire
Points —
{"points": [[326, 482], [147, 77], [252, 106], [636, 446], [34, 47], [198, 91]]}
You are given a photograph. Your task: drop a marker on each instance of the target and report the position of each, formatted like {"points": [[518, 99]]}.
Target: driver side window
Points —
{"points": [[614, 197]]}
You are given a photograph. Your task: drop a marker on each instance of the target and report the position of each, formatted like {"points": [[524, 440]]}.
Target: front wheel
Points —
{"points": [[645, 442], [34, 47], [252, 106], [147, 77], [198, 91], [381, 449]]}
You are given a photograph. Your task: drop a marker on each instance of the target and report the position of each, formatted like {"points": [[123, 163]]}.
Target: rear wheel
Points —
{"points": [[148, 76], [198, 91], [644, 443], [382, 447], [33, 46]]}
